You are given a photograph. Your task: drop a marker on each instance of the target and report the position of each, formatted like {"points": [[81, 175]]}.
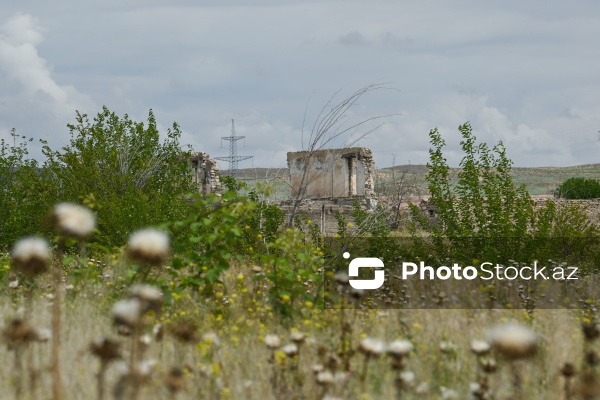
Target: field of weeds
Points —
{"points": [[120, 341]]}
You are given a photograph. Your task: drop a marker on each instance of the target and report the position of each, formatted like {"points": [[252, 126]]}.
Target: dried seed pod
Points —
{"points": [[273, 342], [290, 350], [19, 331], [399, 348], [342, 278], [150, 296], [72, 220], [325, 378], [31, 256], [513, 341], [567, 370], [184, 331], [372, 347], [149, 246], [175, 380], [106, 349], [298, 337], [128, 312], [591, 331], [480, 347]]}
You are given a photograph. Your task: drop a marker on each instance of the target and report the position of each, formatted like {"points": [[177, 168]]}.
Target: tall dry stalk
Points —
{"points": [[77, 223], [56, 376]]}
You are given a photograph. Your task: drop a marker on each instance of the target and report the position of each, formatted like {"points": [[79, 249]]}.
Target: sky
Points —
{"points": [[524, 73]]}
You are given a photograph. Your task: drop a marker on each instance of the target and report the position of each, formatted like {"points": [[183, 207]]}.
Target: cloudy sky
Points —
{"points": [[526, 73]]}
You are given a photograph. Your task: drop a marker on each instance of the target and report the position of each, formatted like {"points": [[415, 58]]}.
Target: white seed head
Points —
{"points": [[325, 378], [316, 368], [122, 367], [400, 348], [447, 347], [31, 255], [422, 389], [341, 278], [73, 220], [513, 341], [146, 340], [474, 387], [448, 394], [146, 292], [149, 246], [128, 312], [407, 378], [371, 346], [272, 341], [43, 334], [145, 368], [480, 347], [298, 337], [290, 350]]}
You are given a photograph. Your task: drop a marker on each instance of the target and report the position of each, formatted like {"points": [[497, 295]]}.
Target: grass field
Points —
{"points": [[225, 355]]}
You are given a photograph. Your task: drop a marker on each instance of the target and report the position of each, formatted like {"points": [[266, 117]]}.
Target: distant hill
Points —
{"points": [[538, 180]]}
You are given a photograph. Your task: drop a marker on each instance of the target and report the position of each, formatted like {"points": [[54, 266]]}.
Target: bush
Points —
{"points": [[124, 171], [485, 216], [579, 188], [23, 192]]}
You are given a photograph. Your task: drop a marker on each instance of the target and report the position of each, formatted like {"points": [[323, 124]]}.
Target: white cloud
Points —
{"points": [[21, 63], [32, 101], [521, 74]]}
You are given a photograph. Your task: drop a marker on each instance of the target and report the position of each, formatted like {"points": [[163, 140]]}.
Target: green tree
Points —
{"points": [[484, 202], [484, 215], [22, 191], [579, 188], [123, 170]]}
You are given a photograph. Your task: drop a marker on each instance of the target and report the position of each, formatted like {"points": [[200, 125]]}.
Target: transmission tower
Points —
{"points": [[233, 158]]}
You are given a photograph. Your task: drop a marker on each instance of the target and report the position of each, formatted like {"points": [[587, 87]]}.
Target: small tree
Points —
{"points": [[122, 169], [484, 215], [484, 201]]}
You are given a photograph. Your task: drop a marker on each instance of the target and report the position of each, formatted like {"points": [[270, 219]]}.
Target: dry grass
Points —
{"points": [[240, 366]]}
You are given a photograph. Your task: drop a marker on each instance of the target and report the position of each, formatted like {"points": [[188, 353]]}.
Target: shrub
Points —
{"points": [[123, 170], [485, 216], [579, 188]]}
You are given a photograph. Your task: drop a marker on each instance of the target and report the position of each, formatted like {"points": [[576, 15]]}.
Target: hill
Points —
{"points": [[538, 180]]}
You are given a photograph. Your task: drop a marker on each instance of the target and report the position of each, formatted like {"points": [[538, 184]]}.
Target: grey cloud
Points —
{"points": [[353, 38], [390, 39]]}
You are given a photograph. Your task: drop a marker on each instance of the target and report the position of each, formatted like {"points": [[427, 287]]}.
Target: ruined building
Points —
{"points": [[206, 173], [329, 181], [332, 173], [326, 182]]}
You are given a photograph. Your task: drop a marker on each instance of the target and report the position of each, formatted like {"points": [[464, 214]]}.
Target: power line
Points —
{"points": [[233, 158]]}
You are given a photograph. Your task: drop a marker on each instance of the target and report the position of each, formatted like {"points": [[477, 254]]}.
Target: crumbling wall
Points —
{"points": [[332, 173], [206, 173], [331, 181]]}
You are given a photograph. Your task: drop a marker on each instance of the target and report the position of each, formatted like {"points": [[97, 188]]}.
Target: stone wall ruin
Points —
{"points": [[332, 173], [206, 173], [331, 180]]}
